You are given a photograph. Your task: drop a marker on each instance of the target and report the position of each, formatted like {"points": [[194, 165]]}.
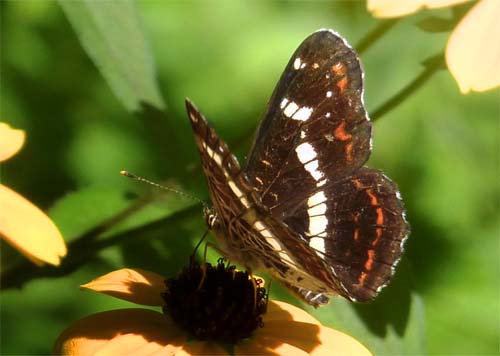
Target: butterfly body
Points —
{"points": [[304, 208]]}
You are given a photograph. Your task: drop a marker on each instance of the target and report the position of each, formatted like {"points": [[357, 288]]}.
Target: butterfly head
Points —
{"points": [[210, 217]]}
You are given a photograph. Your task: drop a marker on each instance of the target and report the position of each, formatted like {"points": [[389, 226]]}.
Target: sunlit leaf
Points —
{"points": [[112, 35], [111, 210], [393, 324]]}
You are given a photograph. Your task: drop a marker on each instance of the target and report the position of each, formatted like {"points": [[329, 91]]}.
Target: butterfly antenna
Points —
{"points": [[159, 186]]}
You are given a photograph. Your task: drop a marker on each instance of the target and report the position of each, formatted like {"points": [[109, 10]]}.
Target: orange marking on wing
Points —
{"points": [[357, 183], [338, 68], [380, 216], [340, 133], [342, 83], [378, 233], [373, 198], [356, 234], [362, 278], [348, 151], [371, 258]]}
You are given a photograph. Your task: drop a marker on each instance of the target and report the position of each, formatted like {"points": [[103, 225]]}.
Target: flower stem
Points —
{"points": [[432, 65], [371, 37]]}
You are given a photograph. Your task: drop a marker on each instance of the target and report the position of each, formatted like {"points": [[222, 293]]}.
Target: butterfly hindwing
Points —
{"points": [[357, 226]]}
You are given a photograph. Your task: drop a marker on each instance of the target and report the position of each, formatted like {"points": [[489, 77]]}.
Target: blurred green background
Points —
{"points": [[441, 147]]}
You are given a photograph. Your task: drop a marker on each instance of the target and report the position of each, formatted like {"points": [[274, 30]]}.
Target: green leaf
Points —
{"points": [[437, 61], [435, 24], [107, 211], [111, 33], [393, 324]]}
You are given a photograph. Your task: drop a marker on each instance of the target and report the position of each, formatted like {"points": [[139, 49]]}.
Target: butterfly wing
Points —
{"points": [[245, 229], [315, 128], [306, 162]]}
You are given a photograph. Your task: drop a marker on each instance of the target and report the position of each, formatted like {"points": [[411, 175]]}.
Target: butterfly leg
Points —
{"points": [[257, 286], [204, 264], [192, 256]]}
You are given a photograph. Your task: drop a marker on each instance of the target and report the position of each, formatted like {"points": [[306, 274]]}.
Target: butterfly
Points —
{"points": [[304, 208]]}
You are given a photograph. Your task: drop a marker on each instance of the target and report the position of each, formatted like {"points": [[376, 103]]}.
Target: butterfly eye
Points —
{"points": [[210, 217]]}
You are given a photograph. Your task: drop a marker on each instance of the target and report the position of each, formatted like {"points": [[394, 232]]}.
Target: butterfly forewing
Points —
{"points": [[315, 128]]}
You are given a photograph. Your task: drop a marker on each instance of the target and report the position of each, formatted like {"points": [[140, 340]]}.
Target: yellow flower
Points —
{"points": [[22, 224], [286, 330], [473, 49]]}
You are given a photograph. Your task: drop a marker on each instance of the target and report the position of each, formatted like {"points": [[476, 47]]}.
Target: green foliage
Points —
{"points": [[112, 35], [439, 146]]}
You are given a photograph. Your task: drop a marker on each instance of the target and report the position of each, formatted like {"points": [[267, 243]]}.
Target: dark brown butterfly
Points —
{"points": [[304, 208]]}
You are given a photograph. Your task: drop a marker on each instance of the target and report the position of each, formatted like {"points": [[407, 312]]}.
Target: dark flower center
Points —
{"points": [[222, 304]]}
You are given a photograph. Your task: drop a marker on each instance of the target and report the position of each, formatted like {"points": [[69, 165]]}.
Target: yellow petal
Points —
{"points": [[396, 8], [201, 348], [285, 337], [11, 141], [29, 230], [289, 330], [121, 332], [283, 311], [134, 285], [473, 50]]}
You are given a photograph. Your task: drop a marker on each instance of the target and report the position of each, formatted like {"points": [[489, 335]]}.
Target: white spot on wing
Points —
{"points": [[303, 114], [329, 94], [234, 188], [317, 198], [318, 209], [318, 244], [296, 63], [312, 167], [273, 241], [321, 183], [239, 194], [283, 103], [305, 152], [290, 109], [259, 226], [215, 156], [317, 221]]}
